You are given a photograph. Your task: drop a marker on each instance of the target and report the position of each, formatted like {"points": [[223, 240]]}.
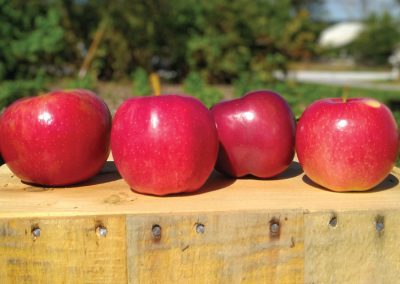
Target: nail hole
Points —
{"points": [[379, 223], [200, 228], [101, 231], [156, 231], [333, 221]]}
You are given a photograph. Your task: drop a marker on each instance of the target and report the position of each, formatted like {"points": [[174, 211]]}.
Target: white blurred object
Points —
{"points": [[394, 60], [340, 34]]}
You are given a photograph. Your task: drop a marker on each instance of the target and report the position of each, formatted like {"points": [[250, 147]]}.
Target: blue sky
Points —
{"points": [[338, 10]]}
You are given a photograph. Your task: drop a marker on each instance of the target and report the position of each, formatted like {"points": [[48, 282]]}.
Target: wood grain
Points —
{"points": [[107, 194], [67, 251], [234, 248], [356, 250], [237, 245]]}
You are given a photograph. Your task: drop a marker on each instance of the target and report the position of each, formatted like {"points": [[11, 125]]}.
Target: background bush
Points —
{"points": [[219, 39], [194, 85], [377, 41], [141, 84]]}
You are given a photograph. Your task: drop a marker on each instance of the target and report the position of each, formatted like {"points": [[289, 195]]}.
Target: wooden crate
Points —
{"points": [[284, 230]]}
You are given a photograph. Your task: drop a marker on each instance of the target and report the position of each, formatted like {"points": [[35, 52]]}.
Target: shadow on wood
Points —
{"points": [[292, 171], [215, 181], [389, 182], [108, 173]]}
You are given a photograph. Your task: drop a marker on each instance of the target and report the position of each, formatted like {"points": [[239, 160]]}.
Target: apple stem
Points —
{"points": [[155, 83], [344, 94]]}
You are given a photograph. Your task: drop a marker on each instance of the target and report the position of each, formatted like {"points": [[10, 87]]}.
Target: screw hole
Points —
{"points": [[156, 232], [333, 221], [379, 223]]}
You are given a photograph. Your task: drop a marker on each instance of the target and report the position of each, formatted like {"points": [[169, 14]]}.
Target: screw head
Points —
{"points": [[101, 231], [200, 228], [156, 232], [36, 233], [274, 228]]}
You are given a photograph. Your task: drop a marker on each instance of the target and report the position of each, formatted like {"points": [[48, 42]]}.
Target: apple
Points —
{"points": [[164, 144], [347, 145], [256, 135], [56, 139]]}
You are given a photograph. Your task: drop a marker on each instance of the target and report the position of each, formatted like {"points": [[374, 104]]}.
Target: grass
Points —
{"points": [[326, 66], [300, 95]]}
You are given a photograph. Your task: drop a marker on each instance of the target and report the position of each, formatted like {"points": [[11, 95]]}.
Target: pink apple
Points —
{"points": [[56, 139], [164, 144], [256, 134], [347, 145]]}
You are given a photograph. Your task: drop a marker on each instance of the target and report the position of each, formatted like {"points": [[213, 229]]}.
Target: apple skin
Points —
{"points": [[347, 145], [164, 144], [56, 139], [256, 135]]}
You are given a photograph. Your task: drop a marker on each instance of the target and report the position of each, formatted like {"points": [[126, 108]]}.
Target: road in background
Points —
{"points": [[358, 79]]}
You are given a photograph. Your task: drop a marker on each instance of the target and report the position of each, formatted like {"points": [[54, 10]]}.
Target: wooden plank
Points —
{"points": [[107, 194], [235, 247], [361, 248], [67, 251]]}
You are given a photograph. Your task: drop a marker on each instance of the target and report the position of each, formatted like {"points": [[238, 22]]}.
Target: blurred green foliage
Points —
{"points": [[377, 41], [31, 39], [247, 82], [228, 38], [194, 85], [13, 90], [87, 82], [300, 95], [220, 39], [141, 84]]}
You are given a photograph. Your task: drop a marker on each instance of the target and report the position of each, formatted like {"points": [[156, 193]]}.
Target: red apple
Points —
{"points": [[56, 139], [164, 144], [347, 145], [256, 135]]}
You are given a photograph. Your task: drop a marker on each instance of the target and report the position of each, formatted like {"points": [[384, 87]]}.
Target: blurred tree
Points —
{"points": [[141, 83], [31, 41], [230, 38], [195, 86], [31, 37], [219, 39], [378, 40]]}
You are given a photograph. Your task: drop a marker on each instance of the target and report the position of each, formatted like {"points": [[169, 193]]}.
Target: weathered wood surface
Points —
{"points": [[67, 251], [107, 193], [363, 247], [284, 230], [232, 248]]}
